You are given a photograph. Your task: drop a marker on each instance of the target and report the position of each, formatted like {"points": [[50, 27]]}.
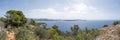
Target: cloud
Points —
{"points": [[75, 10]]}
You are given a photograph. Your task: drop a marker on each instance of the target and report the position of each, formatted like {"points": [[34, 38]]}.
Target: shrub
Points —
{"points": [[52, 32], [75, 29], [32, 22], [40, 33], [3, 35], [14, 18], [56, 29], [89, 35], [58, 37], [116, 22], [24, 34], [81, 36], [105, 26]]}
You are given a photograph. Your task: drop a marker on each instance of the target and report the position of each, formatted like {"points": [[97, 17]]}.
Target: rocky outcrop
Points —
{"points": [[10, 35], [109, 33], [43, 25]]}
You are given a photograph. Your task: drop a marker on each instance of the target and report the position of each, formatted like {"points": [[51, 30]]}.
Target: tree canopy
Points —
{"points": [[32, 22], [14, 18], [75, 29]]}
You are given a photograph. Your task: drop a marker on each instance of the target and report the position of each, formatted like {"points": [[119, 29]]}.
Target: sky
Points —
{"points": [[64, 9]]}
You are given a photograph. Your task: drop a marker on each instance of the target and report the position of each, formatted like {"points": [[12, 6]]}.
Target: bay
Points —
{"points": [[89, 24]]}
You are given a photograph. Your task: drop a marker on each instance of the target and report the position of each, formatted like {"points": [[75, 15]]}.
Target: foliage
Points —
{"points": [[52, 32], [3, 35], [105, 26], [58, 37], [3, 19], [87, 35], [75, 29], [32, 22], [54, 35], [56, 28], [40, 32], [24, 34], [116, 22], [67, 33], [15, 18], [81, 36]]}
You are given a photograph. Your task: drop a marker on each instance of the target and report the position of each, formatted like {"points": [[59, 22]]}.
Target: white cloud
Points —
{"points": [[73, 11]]}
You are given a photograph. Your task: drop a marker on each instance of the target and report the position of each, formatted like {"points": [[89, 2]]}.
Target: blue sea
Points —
{"points": [[90, 24]]}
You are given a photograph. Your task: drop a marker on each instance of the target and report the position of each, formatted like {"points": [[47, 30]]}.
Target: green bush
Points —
{"points": [[58, 37], [3, 35], [89, 35], [81, 36], [56, 29], [24, 34], [105, 26], [32, 22], [116, 22], [14, 18], [40, 32], [75, 29]]}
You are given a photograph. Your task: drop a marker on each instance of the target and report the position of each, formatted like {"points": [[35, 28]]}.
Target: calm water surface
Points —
{"points": [[66, 25]]}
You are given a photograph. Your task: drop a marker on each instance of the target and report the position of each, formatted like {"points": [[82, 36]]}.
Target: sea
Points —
{"points": [[89, 24]]}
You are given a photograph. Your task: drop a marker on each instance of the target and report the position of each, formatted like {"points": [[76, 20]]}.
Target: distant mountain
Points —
{"points": [[58, 20], [45, 20]]}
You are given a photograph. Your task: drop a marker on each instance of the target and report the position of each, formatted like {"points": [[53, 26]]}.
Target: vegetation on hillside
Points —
{"points": [[116, 22], [23, 31]]}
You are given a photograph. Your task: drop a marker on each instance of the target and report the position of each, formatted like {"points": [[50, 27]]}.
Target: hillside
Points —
{"points": [[110, 33]]}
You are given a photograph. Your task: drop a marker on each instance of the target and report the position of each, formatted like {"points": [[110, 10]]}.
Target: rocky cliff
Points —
{"points": [[109, 33]]}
